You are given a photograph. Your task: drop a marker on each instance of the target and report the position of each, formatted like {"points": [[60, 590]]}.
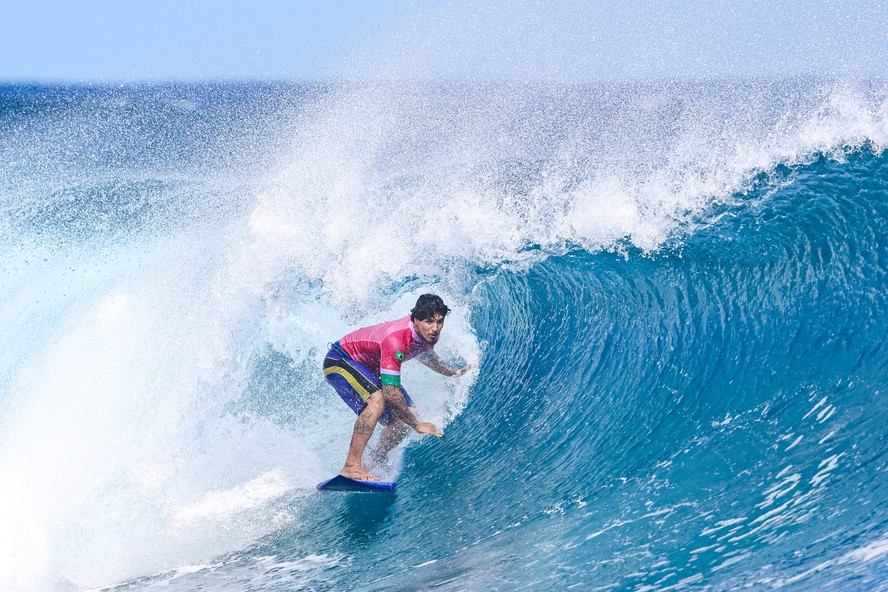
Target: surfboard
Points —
{"points": [[340, 483]]}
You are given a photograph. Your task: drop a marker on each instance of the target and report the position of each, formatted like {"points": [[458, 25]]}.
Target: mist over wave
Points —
{"points": [[676, 292]]}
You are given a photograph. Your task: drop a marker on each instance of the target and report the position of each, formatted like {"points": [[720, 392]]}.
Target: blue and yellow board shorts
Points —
{"points": [[354, 382]]}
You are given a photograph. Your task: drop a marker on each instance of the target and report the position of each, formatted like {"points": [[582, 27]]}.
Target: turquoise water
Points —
{"points": [[676, 295]]}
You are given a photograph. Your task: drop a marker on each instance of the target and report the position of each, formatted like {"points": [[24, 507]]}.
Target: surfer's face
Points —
{"points": [[429, 329]]}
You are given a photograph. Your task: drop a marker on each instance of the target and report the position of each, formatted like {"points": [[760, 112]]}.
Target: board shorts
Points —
{"points": [[354, 382]]}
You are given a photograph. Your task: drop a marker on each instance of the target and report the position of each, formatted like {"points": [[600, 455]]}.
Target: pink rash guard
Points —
{"points": [[384, 347]]}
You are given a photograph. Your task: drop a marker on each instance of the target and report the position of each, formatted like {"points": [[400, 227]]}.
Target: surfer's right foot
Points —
{"points": [[358, 474]]}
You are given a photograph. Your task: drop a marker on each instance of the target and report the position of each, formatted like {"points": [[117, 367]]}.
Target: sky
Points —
{"points": [[567, 40]]}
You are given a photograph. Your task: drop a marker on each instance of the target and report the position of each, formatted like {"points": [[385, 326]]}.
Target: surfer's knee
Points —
{"points": [[375, 404]]}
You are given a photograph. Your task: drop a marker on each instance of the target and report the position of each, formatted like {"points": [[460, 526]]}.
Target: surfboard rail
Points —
{"points": [[342, 483]]}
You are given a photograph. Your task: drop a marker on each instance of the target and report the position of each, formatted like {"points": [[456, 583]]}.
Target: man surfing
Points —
{"points": [[364, 368]]}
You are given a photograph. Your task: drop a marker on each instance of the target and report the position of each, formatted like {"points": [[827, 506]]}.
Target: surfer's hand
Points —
{"points": [[465, 369], [425, 427]]}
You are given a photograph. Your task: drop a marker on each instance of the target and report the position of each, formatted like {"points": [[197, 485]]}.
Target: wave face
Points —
{"points": [[677, 295]]}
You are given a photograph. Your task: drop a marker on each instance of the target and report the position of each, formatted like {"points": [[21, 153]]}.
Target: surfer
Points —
{"points": [[364, 368]]}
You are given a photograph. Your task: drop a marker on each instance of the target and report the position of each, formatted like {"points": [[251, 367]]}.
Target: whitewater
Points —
{"points": [[675, 294]]}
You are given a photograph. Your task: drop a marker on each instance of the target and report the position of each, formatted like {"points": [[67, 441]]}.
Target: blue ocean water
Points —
{"points": [[675, 295]]}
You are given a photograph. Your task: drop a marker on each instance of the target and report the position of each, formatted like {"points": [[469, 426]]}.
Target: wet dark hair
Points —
{"points": [[427, 306]]}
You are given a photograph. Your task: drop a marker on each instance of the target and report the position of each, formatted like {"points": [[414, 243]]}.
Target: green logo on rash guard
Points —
{"points": [[399, 355]]}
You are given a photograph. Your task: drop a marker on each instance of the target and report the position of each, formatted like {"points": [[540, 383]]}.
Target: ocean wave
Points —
{"points": [[675, 291]]}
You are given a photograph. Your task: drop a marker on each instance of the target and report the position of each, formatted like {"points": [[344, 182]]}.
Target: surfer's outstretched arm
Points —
{"points": [[432, 360]]}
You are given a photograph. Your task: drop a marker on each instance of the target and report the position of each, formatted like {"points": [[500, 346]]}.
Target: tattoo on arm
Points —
{"points": [[432, 360]]}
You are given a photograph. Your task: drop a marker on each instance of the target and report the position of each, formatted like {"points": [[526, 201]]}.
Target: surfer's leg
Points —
{"points": [[392, 435], [360, 389], [364, 426]]}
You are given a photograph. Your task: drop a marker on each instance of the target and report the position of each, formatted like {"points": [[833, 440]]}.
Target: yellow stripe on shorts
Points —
{"points": [[351, 380]]}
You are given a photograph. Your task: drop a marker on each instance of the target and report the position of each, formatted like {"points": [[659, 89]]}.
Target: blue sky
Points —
{"points": [[104, 41]]}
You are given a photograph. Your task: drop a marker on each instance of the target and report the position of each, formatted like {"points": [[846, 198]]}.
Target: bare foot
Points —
{"points": [[358, 474]]}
